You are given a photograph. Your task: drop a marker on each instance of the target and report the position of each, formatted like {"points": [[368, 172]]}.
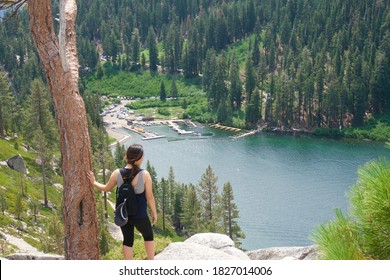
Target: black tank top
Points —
{"points": [[141, 197]]}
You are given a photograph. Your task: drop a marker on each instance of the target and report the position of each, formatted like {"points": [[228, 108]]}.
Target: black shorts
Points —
{"points": [[142, 225]]}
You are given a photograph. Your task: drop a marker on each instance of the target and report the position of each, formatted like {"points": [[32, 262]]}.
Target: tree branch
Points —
{"points": [[15, 5]]}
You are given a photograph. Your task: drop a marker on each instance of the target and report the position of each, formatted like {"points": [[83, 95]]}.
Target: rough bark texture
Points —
{"points": [[61, 68]]}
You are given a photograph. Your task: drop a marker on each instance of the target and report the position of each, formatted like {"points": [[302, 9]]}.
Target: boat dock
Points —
{"points": [[180, 131], [228, 128], [252, 132], [147, 135]]}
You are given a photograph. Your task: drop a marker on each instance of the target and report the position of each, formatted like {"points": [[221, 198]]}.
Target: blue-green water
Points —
{"points": [[284, 186]]}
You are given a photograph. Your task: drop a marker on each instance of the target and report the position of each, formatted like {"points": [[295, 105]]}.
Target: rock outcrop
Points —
{"points": [[17, 163], [203, 246], [285, 253], [28, 256]]}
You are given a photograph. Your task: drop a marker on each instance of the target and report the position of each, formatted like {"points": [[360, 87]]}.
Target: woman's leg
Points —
{"points": [[127, 252], [128, 240], [145, 228], [149, 248]]}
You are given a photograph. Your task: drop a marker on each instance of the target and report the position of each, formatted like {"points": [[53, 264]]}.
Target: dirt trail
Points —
{"points": [[23, 246]]}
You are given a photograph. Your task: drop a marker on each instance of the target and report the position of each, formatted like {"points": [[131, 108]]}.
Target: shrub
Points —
{"points": [[364, 234], [371, 206], [164, 111], [339, 239]]}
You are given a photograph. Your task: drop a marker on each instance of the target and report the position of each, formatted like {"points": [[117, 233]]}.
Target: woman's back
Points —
{"points": [[139, 189]]}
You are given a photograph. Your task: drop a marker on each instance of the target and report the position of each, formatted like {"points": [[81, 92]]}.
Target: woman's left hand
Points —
{"points": [[154, 218]]}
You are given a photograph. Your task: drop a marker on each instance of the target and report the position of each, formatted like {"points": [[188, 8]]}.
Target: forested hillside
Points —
{"points": [[294, 64], [309, 63]]}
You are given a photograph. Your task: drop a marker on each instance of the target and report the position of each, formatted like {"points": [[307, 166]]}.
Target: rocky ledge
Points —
{"points": [[207, 246], [213, 246], [285, 253], [33, 256]]}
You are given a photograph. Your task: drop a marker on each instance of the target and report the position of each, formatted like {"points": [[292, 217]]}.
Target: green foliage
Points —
{"points": [[164, 111], [330, 73], [370, 200], [163, 93], [153, 49], [39, 116], [229, 215], [154, 103], [119, 155], [9, 108], [142, 84], [138, 249], [363, 234], [29, 207], [379, 131], [339, 239]]}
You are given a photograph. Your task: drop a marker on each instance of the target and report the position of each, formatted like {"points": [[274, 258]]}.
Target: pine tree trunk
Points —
{"points": [[60, 63]]}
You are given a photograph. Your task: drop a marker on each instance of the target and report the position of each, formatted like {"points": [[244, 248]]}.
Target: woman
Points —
{"points": [[142, 184]]}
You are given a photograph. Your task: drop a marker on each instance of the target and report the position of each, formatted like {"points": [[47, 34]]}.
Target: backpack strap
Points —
{"points": [[121, 177]]}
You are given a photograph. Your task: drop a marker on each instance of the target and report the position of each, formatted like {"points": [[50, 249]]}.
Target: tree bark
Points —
{"points": [[60, 63]]}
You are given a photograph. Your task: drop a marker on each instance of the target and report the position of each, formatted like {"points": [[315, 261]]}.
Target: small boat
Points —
{"points": [[184, 132]]}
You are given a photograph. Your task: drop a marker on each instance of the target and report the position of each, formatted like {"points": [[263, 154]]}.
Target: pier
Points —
{"points": [[147, 135], [228, 128], [252, 132]]}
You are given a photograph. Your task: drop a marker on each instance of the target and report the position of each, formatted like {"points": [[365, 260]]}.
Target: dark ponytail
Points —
{"points": [[133, 154]]}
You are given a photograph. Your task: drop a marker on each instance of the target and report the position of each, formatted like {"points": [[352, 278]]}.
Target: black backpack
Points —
{"points": [[126, 191]]}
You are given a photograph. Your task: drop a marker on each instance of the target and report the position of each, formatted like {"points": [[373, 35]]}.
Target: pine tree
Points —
{"points": [[174, 92], [153, 50], [119, 154], [103, 227], [164, 185], [209, 67], [190, 217], [99, 71], [153, 174], [209, 198], [222, 112], [143, 60], [38, 115], [250, 81], [235, 85], [230, 214], [255, 54], [218, 90], [163, 93], [104, 161], [44, 155], [6, 102], [135, 46]]}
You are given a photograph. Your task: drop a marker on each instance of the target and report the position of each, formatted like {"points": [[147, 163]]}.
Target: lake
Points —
{"points": [[284, 186]]}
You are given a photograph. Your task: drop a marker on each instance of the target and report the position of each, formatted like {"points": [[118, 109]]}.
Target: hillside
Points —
{"points": [[297, 64], [27, 225], [23, 213]]}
